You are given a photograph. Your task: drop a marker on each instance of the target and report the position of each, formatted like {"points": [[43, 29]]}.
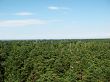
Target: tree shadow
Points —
{"points": [[2, 69]]}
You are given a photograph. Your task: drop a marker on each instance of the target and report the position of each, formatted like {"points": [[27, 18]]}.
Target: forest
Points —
{"points": [[55, 61]]}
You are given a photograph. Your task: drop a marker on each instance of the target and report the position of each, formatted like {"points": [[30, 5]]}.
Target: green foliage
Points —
{"points": [[55, 61]]}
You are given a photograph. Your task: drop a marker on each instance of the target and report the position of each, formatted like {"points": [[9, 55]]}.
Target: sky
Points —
{"points": [[54, 19]]}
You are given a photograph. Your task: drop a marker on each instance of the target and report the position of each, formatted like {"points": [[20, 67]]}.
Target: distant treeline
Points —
{"points": [[55, 61]]}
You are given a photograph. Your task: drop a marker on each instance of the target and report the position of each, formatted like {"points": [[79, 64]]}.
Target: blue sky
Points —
{"points": [[54, 19]]}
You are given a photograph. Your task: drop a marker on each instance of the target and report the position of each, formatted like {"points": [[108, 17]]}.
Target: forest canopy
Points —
{"points": [[55, 61]]}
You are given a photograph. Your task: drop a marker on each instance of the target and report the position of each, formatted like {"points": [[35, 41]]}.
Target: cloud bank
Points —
{"points": [[25, 22]]}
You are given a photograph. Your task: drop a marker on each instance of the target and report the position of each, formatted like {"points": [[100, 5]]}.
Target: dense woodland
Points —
{"points": [[55, 61]]}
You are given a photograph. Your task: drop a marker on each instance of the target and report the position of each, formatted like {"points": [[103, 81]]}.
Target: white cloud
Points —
{"points": [[53, 8], [23, 13], [25, 22], [57, 8]]}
